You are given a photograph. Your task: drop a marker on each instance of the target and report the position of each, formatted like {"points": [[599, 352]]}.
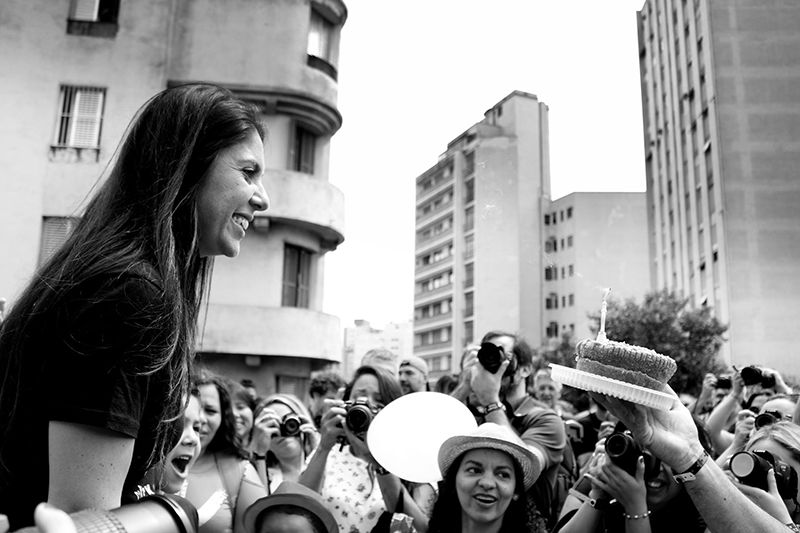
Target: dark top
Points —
{"points": [[82, 362]]}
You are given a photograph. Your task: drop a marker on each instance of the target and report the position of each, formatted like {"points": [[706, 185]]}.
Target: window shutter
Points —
{"points": [[88, 111], [84, 10], [55, 231]]}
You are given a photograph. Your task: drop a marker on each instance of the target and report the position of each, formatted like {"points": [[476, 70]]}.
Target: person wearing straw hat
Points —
{"points": [[292, 508], [487, 476]]}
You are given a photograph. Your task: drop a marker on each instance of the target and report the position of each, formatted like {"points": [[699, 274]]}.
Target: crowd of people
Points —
{"points": [[103, 405]]}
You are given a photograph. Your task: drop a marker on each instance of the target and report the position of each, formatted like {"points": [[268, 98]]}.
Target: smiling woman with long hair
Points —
{"points": [[95, 353], [487, 477]]}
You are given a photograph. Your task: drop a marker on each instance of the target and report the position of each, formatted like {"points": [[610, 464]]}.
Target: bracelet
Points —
{"points": [[636, 516], [258, 457], [486, 409], [691, 473], [793, 527], [381, 471]]}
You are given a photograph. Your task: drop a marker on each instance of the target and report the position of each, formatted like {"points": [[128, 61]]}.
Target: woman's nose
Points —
{"points": [[260, 199], [486, 481]]}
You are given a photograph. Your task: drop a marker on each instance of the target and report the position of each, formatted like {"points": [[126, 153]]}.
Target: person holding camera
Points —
{"points": [[629, 490], [356, 489], [283, 437], [496, 392], [671, 435], [767, 470], [222, 483]]}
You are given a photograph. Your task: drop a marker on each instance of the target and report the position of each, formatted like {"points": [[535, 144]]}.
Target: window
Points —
{"points": [[550, 273], [469, 219], [569, 212], [571, 270], [320, 33], [551, 245], [468, 332], [469, 275], [552, 330], [305, 144], [97, 18], [469, 246], [569, 241], [547, 220], [563, 301], [55, 232], [80, 117], [296, 276], [571, 300], [562, 273], [469, 191]]}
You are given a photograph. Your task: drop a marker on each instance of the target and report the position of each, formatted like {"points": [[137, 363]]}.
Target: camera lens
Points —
{"points": [[764, 419], [750, 469], [358, 418], [491, 356], [623, 451], [290, 425]]}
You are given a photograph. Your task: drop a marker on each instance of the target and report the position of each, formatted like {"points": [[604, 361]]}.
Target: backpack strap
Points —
{"points": [[231, 473]]}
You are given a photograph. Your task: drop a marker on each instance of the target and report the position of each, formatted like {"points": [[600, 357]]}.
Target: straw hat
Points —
{"points": [[295, 494], [494, 437]]}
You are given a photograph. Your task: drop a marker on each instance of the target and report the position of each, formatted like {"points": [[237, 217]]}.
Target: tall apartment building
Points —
{"points": [[592, 240], [479, 225], [397, 337], [74, 72], [722, 141]]}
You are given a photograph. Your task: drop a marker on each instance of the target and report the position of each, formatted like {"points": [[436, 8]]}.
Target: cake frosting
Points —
{"points": [[625, 362]]}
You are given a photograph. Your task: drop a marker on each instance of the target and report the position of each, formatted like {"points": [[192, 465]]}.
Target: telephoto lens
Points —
{"points": [[751, 469], [290, 425], [624, 452], [359, 415], [767, 419], [156, 513]]}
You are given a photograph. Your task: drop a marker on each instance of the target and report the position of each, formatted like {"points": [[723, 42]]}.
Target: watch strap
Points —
{"points": [[691, 473], [486, 409]]}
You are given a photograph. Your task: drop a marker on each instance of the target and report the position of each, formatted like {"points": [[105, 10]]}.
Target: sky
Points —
{"points": [[413, 75]]}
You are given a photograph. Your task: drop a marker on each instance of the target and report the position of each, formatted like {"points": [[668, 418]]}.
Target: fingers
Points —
{"points": [[772, 484], [48, 519]]}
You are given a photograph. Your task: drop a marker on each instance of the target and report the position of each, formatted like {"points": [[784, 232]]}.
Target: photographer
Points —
{"points": [[500, 397], [672, 437], [356, 489], [713, 390]]}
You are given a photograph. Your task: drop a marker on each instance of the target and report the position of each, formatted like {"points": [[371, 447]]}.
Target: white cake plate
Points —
{"points": [[612, 387]]}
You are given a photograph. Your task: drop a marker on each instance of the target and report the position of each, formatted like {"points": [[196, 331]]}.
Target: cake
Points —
{"points": [[624, 362]]}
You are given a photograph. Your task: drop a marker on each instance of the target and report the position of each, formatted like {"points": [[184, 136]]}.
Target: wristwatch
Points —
{"points": [[486, 409], [691, 473], [600, 505]]}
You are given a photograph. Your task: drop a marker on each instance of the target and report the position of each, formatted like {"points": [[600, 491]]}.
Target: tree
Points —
{"points": [[665, 323]]}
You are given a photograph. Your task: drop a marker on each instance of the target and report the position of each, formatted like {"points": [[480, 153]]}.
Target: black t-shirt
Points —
{"points": [[84, 361]]}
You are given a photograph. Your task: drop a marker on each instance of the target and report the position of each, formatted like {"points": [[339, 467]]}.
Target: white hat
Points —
{"points": [[494, 437]]}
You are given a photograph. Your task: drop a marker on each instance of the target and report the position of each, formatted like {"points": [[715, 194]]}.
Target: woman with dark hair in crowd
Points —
{"points": [[649, 500], [95, 353], [355, 487], [487, 477], [243, 406], [283, 438], [222, 483]]}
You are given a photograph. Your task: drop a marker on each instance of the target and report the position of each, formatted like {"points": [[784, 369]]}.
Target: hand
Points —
{"points": [[266, 427], [669, 435], [737, 391], [709, 384], [780, 386], [332, 425], [745, 422], [358, 445], [606, 429], [629, 491], [486, 385], [48, 519], [769, 500]]}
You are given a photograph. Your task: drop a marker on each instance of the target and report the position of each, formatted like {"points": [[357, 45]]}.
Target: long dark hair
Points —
{"points": [[388, 386], [520, 517], [142, 219], [225, 439]]}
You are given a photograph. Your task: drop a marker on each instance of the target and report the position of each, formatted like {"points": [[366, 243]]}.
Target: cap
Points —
{"points": [[415, 362]]}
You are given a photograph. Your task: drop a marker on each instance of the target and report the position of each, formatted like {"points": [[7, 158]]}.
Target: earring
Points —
{"points": [[515, 497]]}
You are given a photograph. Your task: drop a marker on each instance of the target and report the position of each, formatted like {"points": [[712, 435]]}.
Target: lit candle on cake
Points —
{"points": [[601, 335]]}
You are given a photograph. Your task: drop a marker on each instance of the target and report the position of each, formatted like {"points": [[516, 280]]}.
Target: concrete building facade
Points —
{"points": [[478, 233], [397, 337], [592, 240], [73, 75], [721, 112]]}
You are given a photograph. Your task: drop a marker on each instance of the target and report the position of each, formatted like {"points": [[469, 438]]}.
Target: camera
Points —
{"points": [[724, 382], [752, 375], [491, 356], [624, 452], [290, 425], [359, 414], [156, 513], [751, 469], [767, 418]]}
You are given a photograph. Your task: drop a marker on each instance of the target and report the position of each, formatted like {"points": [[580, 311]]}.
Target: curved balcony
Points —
{"points": [[299, 200], [284, 331]]}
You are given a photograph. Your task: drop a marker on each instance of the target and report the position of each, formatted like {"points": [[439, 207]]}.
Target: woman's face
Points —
{"points": [[181, 458], [367, 386], [212, 413], [285, 448], [779, 452], [662, 489], [242, 418], [230, 194], [485, 483]]}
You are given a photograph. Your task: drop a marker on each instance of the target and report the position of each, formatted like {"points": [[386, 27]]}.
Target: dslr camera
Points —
{"points": [[751, 469], [359, 414], [724, 382], [752, 375], [290, 425], [624, 452], [491, 356], [767, 418]]}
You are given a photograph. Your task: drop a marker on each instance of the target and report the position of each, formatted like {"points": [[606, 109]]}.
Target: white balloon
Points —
{"points": [[405, 436]]}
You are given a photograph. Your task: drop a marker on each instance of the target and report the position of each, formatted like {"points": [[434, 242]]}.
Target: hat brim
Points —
{"points": [[454, 447], [296, 500]]}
